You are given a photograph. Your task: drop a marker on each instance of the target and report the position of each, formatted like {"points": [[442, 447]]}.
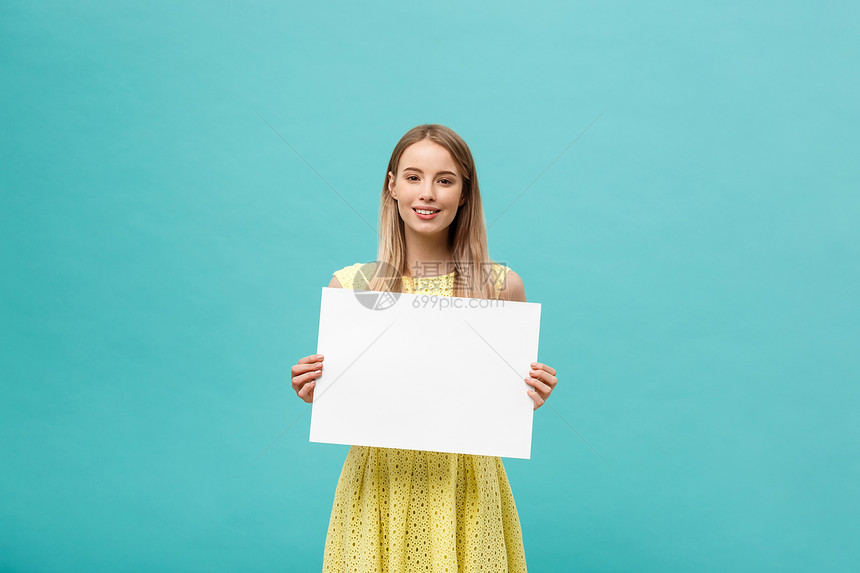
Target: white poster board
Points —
{"points": [[425, 372]]}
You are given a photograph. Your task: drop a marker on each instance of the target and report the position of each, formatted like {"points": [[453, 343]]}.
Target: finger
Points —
{"points": [[310, 359], [302, 368], [307, 376], [299, 381], [537, 399], [306, 393], [541, 375], [539, 366], [545, 376], [539, 385]]}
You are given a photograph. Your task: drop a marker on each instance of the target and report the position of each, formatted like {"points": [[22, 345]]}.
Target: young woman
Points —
{"points": [[405, 510]]}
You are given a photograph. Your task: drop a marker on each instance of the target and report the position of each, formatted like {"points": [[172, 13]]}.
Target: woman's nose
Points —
{"points": [[427, 192]]}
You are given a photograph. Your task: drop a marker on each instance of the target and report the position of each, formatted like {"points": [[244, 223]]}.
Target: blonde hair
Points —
{"points": [[467, 235]]}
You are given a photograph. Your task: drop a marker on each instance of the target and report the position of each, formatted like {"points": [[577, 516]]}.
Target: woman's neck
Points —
{"points": [[428, 256]]}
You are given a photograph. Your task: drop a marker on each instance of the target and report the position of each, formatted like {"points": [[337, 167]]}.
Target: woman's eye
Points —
{"points": [[410, 177], [445, 181]]}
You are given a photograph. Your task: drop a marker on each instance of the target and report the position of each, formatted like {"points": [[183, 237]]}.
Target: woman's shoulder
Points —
{"points": [[510, 284], [346, 275]]}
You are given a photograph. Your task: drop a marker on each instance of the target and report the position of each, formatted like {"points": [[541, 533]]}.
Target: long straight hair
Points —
{"points": [[474, 274]]}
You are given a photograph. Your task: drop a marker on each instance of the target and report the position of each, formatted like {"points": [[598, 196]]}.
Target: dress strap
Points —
{"points": [[363, 276], [500, 273]]}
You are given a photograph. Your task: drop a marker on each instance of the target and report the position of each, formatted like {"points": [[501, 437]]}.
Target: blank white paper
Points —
{"points": [[427, 372]]}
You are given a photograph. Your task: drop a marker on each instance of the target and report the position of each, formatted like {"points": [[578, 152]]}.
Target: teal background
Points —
{"points": [[695, 251]]}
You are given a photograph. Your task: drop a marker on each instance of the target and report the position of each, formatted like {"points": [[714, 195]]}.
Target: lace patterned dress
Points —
{"points": [[408, 511]]}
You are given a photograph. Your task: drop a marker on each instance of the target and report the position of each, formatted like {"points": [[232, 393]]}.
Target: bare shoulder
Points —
{"points": [[513, 288], [334, 283]]}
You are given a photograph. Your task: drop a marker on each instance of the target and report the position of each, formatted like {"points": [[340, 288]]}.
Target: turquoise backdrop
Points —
{"points": [[676, 182]]}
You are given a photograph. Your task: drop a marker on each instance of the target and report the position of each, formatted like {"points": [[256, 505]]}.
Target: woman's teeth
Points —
{"points": [[424, 212]]}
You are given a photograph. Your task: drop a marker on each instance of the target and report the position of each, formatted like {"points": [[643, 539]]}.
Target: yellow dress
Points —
{"points": [[408, 511]]}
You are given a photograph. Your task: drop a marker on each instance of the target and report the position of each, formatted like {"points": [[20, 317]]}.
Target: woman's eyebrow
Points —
{"points": [[422, 173]]}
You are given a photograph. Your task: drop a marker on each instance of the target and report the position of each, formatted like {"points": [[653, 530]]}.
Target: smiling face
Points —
{"points": [[427, 179]]}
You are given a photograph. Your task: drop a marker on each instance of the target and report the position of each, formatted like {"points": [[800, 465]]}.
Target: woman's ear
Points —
{"points": [[462, 199], [391, 186]]}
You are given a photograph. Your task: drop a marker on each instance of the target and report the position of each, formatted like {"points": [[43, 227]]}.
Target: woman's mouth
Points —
{"points": [[426, 213]]}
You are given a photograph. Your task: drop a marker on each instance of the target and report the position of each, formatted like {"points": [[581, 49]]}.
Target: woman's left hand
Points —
{"points": [[543, 379]]}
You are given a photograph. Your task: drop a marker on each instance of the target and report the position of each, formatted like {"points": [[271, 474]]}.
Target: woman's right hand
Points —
{"points": [[305, 374]]}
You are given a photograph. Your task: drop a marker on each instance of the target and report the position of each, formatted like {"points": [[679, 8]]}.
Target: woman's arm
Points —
{"points": [[542, 377], [306, 371]]}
